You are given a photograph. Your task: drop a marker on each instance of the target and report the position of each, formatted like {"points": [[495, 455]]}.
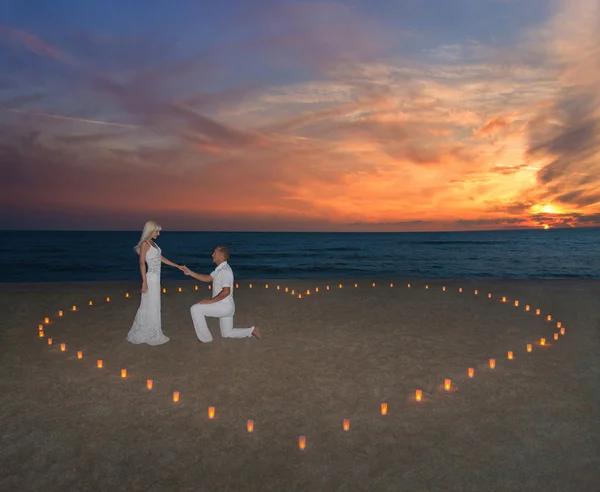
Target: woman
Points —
{"points": [[147, 324]]}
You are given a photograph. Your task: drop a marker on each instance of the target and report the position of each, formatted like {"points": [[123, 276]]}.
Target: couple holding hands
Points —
{"points": [[147, 323]]}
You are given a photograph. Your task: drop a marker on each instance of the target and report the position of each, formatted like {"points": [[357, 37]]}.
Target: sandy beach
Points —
{"points": [[529, 424]]}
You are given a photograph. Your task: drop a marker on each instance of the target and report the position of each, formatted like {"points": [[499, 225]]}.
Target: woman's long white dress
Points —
{"points": [[147, 323]]}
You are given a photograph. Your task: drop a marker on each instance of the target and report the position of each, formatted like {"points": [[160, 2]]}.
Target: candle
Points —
{"points": [[510, 355], [558, 324], [447, 384], [529, 347], [40, 327], [373, 284], [527, 307], [503, 299], [179, 289], [492, 363], [196, 287], [409, 286], [123, 373], [41, 333], [302, 442], [126, 294], [46, 320], [346, 424], [542, 341], [307, 292], [460, 289], [299, 296], [278, 288], [90, 303], [266, 286], [149, 384], [292, 291], [164, 290], [210, 287], [489, 295], [286, 289], [556, 336], [443, 287], [384, 408], [250, 425], [74, 308], [419, 395], [537, 311], [562, 330], [108, 299], [211, 412], [327, 288], [471, 372], [476, 292], [80, 354], [516, 303], [250, 285], [63, 347], [340, 286], [175, 396], [316, 289], [99, 364], [236, 286], [427, 286], [49, 341], [549, 318], [355, 285], [60, 313], [391, 285]]}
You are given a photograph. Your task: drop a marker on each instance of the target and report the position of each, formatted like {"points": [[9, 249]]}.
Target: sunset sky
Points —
{"points": [[361, 115]]}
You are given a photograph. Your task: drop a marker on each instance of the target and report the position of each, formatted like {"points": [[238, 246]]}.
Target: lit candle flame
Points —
{"points": [[302, 442]]}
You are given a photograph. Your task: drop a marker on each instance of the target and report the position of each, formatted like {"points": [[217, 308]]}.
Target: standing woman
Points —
{"points": [[147, 323]]}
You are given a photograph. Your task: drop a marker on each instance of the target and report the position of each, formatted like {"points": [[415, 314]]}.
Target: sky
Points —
{"points": [[358, 115]]}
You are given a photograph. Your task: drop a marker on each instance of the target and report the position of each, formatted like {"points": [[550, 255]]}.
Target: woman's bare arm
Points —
{"points": [[144, 247]]}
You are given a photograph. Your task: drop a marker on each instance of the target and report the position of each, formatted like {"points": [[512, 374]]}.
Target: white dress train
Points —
{"points": [[147, 323]]}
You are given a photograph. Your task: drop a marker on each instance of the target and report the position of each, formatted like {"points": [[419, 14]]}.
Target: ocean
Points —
{"points": [[64, 256]]}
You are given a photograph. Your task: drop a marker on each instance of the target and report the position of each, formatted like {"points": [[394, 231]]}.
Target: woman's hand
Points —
{"points": [[144, 288]]}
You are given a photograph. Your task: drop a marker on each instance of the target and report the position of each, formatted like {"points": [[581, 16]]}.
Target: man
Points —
{"points": [[221, 305]]}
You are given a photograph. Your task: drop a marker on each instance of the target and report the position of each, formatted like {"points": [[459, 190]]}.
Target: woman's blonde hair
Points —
{"points": [[149, 228]]}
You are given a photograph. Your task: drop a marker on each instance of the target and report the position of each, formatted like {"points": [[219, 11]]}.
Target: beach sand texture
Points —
{"points": [[532, 423]]}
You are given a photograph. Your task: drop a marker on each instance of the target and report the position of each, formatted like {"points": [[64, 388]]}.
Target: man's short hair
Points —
{"points": [[224, 251]]}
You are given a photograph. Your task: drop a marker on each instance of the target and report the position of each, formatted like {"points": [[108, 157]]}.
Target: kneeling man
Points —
{"points": [[221, 305]]}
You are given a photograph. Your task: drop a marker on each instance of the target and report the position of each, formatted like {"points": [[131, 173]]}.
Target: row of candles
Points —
{"points": [[302, 440]]}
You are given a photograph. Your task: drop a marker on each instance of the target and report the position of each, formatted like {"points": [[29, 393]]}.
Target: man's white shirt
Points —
{"points": [[222, 277]]}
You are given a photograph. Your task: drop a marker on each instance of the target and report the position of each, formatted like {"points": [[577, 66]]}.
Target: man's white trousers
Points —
{"points": [[224, 310]]}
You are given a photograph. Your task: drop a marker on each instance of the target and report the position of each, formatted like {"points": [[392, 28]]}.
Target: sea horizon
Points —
{"points": [[65, 256]]}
